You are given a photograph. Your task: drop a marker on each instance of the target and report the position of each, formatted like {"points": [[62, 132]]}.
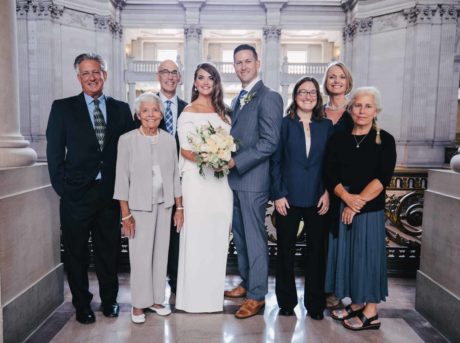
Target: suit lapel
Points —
{"points": [[83, 113], [111, 115], [238, 110]]}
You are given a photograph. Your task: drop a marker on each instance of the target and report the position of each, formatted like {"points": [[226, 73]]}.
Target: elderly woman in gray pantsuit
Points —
{"points": [[147, 185]]}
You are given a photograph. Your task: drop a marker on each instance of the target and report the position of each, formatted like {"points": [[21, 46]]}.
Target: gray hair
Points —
{"points": [[89, 57], [373, 91], [150, 98]]}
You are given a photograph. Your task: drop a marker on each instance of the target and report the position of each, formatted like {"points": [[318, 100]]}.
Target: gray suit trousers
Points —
{"points": [[250, 239], [148, 254]]}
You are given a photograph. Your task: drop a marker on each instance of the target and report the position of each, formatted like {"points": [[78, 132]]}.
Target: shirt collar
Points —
{"points": [[249, 87], [163, 99], [89, 99]]}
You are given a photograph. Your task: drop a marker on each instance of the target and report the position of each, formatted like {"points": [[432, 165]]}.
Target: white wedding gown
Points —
{"points": [[208, 205]]}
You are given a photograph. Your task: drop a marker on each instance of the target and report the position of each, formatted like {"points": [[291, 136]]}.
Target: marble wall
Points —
{"points": [[50, 35]]}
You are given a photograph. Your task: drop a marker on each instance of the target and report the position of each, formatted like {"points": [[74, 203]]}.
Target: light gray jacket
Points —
{"points": [[133, 179]]}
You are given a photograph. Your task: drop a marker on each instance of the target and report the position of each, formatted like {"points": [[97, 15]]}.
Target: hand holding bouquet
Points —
{"points": [[213, 147]]}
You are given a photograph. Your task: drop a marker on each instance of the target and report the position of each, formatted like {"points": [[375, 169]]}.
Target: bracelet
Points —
{"points": [[179, 208], [127, 217]]}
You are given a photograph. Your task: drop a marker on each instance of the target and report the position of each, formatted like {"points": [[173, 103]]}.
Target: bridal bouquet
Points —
{"points": [[213, 147]]}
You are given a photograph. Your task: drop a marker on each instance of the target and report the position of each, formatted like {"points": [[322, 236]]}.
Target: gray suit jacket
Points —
{"points": [[133, 181], [257, 125]]}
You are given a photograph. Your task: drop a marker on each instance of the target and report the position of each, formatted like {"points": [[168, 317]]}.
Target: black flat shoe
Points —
{"points": [[315, 315], [111, 310], [85, 316], [286, 312]]}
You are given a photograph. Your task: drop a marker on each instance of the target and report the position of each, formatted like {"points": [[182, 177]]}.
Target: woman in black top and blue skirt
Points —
{"points": [[337, 84], [358, 167], [298, 191]]}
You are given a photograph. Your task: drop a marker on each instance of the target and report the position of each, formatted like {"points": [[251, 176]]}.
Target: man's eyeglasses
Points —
{"points": [[166, 72], [304, 92]]}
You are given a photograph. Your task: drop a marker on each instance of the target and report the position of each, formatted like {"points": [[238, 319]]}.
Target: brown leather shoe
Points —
{"points": [[237, 292], [249, 308]]}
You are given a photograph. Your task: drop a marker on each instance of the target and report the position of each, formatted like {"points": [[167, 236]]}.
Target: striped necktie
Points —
{"points": [[169, 117], [99, 124]]}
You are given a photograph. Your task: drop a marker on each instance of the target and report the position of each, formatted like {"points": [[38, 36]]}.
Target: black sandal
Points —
{"points": [[350, 313], [367, 323]]}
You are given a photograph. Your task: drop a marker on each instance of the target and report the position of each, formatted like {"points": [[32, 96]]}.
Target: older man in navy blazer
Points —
{"points": [[256, 122], [82, 136]]}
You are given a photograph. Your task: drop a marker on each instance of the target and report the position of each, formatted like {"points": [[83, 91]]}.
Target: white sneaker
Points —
{"points": [[162, 311], [137, 318]]}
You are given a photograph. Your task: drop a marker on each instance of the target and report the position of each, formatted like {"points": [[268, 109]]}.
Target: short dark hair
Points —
{"points": [[245, 47], [92, 57]]}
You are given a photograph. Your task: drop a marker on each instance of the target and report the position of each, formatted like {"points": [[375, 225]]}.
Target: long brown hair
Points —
{"points": [[318, 112], [217, 94]]}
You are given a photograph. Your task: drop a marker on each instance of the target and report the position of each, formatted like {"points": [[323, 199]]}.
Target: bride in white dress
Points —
{"points": [[208, 204]]}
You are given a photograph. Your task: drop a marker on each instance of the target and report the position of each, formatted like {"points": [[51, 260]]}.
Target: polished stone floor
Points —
{"points": [[400, 322]]}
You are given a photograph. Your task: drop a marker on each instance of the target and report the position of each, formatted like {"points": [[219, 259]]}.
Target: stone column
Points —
{"points": [[272, 56], [14, 149], [192, 56], [285, 81], [361, 30], [131, 95]]}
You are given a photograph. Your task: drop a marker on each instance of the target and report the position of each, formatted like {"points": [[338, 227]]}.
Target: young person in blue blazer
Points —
{"points": [[298, 192]]}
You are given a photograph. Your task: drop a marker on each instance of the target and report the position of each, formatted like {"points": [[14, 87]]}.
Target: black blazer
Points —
{"points": [[180, 107], [74, 156]]}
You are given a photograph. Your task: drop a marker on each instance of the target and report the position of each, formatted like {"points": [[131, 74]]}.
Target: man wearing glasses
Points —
{"points": [[82, 135], [169, 77]]}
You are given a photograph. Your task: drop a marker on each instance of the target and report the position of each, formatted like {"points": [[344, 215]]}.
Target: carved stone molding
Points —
{"points": [[39, 8], [272, 32], [106, 22], [363, 25], [118, 4], [192, 32], [420, 13], [389, 22], [448, 12]]}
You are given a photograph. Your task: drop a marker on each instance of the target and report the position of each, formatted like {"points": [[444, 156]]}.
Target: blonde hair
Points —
{"points": [[345, 70], [375, 93]]}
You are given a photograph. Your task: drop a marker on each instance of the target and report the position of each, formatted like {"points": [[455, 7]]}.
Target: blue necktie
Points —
{"points": [[240, 96], [169, 118], [99, 124]]}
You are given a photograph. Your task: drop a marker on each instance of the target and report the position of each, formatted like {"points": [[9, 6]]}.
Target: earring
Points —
{"points": [[195, 89]]}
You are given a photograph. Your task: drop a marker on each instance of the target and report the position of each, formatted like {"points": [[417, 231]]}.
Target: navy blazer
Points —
{"points": [[293, 175]]}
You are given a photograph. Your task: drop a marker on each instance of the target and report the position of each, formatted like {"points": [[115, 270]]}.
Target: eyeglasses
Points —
{"points": [[166, 72], [304, 92]]}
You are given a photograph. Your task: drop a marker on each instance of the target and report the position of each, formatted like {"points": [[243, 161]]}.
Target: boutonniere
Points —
{"points": [[247, 99]]}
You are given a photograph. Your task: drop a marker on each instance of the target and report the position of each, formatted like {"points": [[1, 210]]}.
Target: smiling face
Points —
{"points": [[150, 116], [363, 111], [306, 97], [169, 77], [204, 82], [91, 77], [336, 81], [246, 66]]}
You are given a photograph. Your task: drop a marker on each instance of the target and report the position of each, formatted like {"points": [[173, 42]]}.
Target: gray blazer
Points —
{"points": [[257, 125], [133, 179]]}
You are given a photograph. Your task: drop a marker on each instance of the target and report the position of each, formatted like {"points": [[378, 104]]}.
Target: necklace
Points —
{"points": [[360, 141], [336, 108], [154, 138]]}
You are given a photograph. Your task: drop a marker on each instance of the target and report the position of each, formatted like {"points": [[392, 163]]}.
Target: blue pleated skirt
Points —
{"points": [[356, 263]]}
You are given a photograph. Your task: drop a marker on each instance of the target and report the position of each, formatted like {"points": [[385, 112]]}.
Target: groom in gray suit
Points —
{"points": [[256, 122]]}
